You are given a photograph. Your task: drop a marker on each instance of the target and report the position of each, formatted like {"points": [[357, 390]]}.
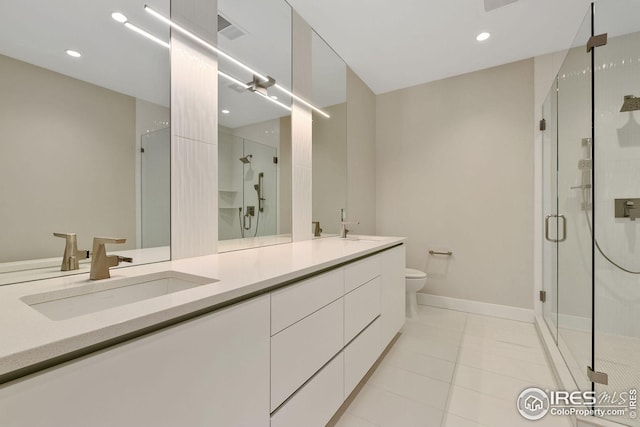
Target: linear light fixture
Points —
{"points": [[268, 98], [204, 43], [208, 45], [246, 86], [143, 33], [119, 17], [291, 94]]}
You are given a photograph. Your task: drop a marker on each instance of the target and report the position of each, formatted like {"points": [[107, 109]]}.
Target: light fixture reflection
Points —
{"points": [[246, 86], [121, 18], [143, 33], [208, 45]]}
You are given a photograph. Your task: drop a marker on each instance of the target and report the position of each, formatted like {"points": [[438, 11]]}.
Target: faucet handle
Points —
{"points": [[103, 240], [65, 235]]}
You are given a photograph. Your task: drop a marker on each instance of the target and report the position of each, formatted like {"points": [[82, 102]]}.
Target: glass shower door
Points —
{"points": [[574, 200], [573, 191], [550, 210], [617, 177], [155, 183]]}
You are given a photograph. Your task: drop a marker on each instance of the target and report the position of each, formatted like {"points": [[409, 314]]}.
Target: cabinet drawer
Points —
{"points": [[295, 302], [300, 350], [360, 355], [361, 272], [315, 403], [361, 306]]}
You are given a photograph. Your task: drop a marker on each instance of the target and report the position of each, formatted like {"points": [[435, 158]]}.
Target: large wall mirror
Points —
{"points": [[254, 133], [84, 123], [329, 86]]}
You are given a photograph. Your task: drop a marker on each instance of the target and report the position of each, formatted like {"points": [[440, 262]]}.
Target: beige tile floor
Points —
{"points": [[454, 369]]}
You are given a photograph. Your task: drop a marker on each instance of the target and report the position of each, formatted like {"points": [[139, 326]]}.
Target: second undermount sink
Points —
{"points": [[101, 295], [363, 239]]}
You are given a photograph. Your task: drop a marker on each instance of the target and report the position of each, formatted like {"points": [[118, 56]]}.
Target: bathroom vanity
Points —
{"points": [[276, 336]]}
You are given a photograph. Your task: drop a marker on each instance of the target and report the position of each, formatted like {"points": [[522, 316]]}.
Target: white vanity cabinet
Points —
{"points": [[338, 324], [209, 371], [289, 357]]}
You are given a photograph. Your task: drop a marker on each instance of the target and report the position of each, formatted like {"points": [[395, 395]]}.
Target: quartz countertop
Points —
{"points": [[29, 339]]}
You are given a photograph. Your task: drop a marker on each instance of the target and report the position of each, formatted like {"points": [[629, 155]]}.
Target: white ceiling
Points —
{"points": [[39, 31], [392, 45]]}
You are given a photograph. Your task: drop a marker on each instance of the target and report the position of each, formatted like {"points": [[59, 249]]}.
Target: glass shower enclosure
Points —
{"points": [[591, 203]]}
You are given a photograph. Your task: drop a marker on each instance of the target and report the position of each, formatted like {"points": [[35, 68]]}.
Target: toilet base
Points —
{"points": [[412, 304]]}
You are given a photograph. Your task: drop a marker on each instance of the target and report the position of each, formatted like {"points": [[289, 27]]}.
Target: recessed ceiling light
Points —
{"points": [[483, 36], [117, 16], [73, 53], [225, 111], [274, 97]]}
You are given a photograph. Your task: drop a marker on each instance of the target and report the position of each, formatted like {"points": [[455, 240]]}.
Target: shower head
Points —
{"points": [[246, 159], [631, 103]]}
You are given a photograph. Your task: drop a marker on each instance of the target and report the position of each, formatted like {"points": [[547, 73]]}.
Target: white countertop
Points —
{"points": [[28, 338]]}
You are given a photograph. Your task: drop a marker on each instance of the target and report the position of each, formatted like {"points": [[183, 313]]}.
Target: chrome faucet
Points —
{"points": [[343, 230], [100, 261], [71, 252]]}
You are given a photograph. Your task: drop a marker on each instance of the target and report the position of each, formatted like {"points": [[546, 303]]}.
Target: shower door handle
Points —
{"points": [[564, 228]]}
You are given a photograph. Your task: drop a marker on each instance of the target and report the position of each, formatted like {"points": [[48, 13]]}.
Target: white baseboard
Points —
{"points": [[477, 307]]}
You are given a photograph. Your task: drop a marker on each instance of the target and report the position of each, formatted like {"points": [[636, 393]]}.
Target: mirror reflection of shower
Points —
{"points": [[247, 188]]}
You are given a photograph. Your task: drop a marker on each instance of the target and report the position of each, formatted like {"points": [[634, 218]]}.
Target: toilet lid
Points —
{"points": [[411, 273]]}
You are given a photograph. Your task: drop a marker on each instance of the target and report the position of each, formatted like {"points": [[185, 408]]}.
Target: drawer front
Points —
{"points": [[315, 403], [361, 306], [300, 350], [361, 272], [297, 301], [360, 355]]}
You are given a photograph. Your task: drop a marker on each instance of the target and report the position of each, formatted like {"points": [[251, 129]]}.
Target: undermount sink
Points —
{"points": [[363, 239], [92, 296]]}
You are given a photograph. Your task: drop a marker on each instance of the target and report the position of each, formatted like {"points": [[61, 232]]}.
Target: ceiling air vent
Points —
{"points": [[222, 23], [228, 29], [490, 5]]}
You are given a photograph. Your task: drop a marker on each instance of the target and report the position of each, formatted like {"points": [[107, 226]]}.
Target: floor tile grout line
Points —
{"points": [[351, 414], [408, 350], [541, 363], [500, 373], [406, 398], [453, 375], [398, 366]]}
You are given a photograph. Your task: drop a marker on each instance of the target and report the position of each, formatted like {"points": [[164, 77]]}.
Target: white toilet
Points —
{"points": [[414, 281]]}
